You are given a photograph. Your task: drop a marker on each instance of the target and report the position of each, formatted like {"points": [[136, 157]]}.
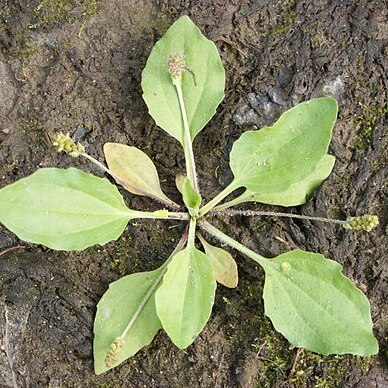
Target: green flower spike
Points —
{"points": [[65, 143], [366, 222], [176, 66], [114, 350]]}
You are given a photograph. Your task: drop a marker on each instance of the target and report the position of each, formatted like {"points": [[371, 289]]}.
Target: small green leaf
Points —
{"points": [[191, 198], [274, 158], [316, 307], [298, 192], [203, 81], [225, 267], [135, 169], [131, 297], [64, 209], [184, 301]]}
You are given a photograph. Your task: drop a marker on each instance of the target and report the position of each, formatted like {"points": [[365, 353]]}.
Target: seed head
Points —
{"points": [[366, 222], [176, 66], [114, 350], [65, 143]]}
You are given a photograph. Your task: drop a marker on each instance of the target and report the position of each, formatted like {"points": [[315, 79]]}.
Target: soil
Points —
{"points": [[68, 65]]}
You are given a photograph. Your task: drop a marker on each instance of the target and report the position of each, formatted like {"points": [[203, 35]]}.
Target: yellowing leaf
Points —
{"points": [[135, 170], [179, 179], [225, 267]]}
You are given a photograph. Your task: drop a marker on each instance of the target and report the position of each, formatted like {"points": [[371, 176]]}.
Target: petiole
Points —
{"points": [[235, 244]]}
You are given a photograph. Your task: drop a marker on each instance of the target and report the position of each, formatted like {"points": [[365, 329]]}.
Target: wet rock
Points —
{"points": [[7, 90], [278, 96], [245, 116], [285, 76], [260, 111], [79, 133], [334, 88], [264, 106], [6, 241]]}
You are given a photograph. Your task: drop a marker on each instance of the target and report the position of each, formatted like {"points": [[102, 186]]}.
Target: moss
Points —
{"points": [[273, 353], [261, 226], [49, 13], [119, 263], [370, 113], [310, 369], [334, 211], [24, 53], [285, 17], [124, 256]]}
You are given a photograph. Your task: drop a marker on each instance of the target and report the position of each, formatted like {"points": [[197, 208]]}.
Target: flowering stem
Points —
{"points": [[251, 213], [187, 141]]}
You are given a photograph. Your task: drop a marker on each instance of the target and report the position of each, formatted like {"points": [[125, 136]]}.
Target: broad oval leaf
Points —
{"points": [[274, 158], [135, 170], [191, 197], [225, 267], [316, 307], [185, 299], [131, 297], [203, 81], [298, 192], [64, 209]]}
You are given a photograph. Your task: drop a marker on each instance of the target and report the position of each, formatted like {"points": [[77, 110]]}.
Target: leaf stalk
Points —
{"points": [[159, 215], [233, 202], [192, 227], [217, 199], [262, 261]]}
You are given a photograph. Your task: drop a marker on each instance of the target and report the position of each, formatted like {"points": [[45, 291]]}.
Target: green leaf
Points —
{"points": [[203, 81], [131, 297], [64, 209], [316, 307], [135, 170], [191, 198], [225, 267], [274, 158], [184, 301], [298, 192]]}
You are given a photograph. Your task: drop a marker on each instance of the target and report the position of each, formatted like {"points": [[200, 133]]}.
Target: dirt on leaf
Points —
{"points": [[75, 66]]}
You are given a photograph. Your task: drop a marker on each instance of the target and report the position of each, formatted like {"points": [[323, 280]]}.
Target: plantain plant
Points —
{"points": [[306, 296]]}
